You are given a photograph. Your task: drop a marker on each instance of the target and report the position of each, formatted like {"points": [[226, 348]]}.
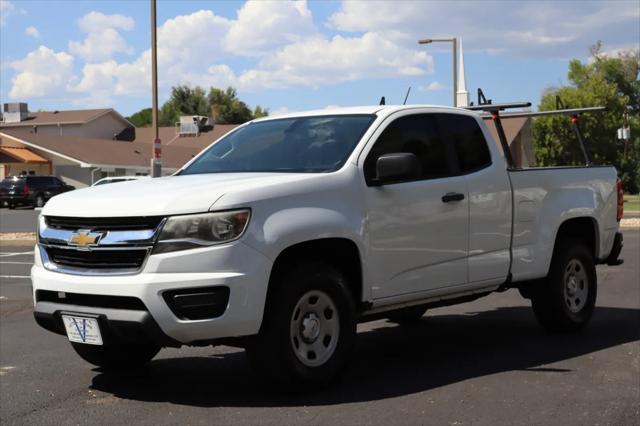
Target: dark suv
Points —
{"points": [[30, 190]]}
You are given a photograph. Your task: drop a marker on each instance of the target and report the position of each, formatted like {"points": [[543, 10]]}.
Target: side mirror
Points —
{"points": [[397, 167]]}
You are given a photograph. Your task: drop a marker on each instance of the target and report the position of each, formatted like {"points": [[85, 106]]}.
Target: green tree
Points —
{"points": [[141, 118], [227, 108], [259, 112], [222, 105], [605, 80], [184, 100]]}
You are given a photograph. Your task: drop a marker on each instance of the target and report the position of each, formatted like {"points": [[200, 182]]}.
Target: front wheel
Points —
{"points": [[122, 356], [308, 330], [567, 299]]}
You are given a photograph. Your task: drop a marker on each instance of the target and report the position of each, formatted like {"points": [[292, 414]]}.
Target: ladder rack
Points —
{"points": [[494, 110]]}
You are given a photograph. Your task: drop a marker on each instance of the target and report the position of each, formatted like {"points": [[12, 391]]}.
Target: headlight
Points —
{"points": [[198, 230]]}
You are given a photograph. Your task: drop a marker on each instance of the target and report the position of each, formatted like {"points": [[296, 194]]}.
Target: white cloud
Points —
{"points": [[279, 111], [263, 26], [189, 41], [103, 39], [431, 87], [186, 46], [42, 72], [551, 29], [189, 44], [321, 61], [32, 31], [6, 9], [97, 21]]}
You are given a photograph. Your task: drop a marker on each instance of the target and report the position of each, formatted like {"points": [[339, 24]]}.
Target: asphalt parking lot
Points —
{"points": [[485, 363], [18, 220]]}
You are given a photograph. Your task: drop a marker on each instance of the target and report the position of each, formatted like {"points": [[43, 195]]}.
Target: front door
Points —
{"points": [[417, 232]]}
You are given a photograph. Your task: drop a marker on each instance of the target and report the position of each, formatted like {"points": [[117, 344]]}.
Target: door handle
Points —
{"points": [[452, 196]]}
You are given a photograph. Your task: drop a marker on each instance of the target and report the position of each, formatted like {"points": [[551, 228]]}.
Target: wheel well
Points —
{"points": [[581, 228], [339, 252]]}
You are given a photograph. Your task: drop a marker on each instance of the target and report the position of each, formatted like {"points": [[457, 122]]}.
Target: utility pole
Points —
{"points": [[156, 159], [454, 42]]}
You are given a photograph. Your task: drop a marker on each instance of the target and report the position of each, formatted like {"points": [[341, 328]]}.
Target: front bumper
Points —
{"points": [[236, 266], [116, 325]]}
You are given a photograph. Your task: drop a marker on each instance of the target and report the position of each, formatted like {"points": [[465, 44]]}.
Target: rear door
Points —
{"points": [[490, 206], [417, 240]]}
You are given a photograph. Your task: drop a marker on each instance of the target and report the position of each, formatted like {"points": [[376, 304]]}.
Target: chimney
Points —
{"points": [[462, 96], [15, 112]]}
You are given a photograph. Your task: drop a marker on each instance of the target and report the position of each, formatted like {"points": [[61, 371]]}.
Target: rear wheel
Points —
{"points": [[39, 201], [566, 301], [309, 328], [121, 356], [12, 206]]}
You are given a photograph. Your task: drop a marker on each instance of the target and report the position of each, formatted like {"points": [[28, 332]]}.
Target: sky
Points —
{"points": [[297, 55]]}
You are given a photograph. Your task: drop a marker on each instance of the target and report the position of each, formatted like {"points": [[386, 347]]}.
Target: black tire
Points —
{"points": [[119, 357], [566, 300], [408, 315], [39, 202], [12, 206], [280, 354]]}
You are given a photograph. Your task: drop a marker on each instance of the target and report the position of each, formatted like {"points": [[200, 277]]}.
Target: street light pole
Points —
{"points": [[156, 162], [454, 42]]}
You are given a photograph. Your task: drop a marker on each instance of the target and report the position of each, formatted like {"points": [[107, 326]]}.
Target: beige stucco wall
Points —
{"points": [[14, 169], [104, 127], [74, 175]]}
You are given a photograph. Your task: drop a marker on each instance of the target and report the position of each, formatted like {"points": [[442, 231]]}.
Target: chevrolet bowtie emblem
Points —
{"points": [[84, 238]]}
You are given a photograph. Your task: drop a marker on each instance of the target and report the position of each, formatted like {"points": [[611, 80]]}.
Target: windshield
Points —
{"points": [[11, 183], [301, 144]]}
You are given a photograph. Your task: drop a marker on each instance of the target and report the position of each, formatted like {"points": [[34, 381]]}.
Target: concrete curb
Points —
{"points": [[14, 243], [17, 238]]}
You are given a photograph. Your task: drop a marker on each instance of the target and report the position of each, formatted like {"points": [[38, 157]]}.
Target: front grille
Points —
{"points": [[91, 300], [98, 259], [103, 223]]}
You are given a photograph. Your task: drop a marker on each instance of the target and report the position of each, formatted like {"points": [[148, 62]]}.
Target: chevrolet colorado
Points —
{"points": [[286, 232]]}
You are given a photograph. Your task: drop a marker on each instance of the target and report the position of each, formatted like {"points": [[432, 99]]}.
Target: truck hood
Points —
{"points": [[163, 196]]}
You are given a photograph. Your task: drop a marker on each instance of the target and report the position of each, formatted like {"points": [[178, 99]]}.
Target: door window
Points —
{"points": [[416, 134]]}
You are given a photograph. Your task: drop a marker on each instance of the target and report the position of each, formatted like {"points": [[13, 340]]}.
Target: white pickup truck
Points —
{"points": [[286, 232]]}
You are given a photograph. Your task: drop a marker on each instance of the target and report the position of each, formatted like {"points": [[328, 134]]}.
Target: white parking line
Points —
{"points": [[9, 254], [16, 263], [5, 370], [15, 276]]}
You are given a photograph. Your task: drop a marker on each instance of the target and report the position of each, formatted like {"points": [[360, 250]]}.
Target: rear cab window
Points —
{"points": [[468, 141]]}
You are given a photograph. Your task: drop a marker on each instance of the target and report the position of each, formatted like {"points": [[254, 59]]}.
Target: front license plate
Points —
{"points": [[82, 330]]}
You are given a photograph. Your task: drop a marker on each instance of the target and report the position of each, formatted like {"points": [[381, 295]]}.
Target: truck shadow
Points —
{"points": [[389, 361]]}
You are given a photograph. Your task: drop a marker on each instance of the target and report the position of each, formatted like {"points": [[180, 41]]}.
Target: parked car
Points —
{"points": [[286, 232], [32, 191], [116, 179]]}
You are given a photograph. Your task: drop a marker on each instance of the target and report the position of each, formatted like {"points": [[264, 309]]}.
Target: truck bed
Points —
{"points": [[544, 198]]}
